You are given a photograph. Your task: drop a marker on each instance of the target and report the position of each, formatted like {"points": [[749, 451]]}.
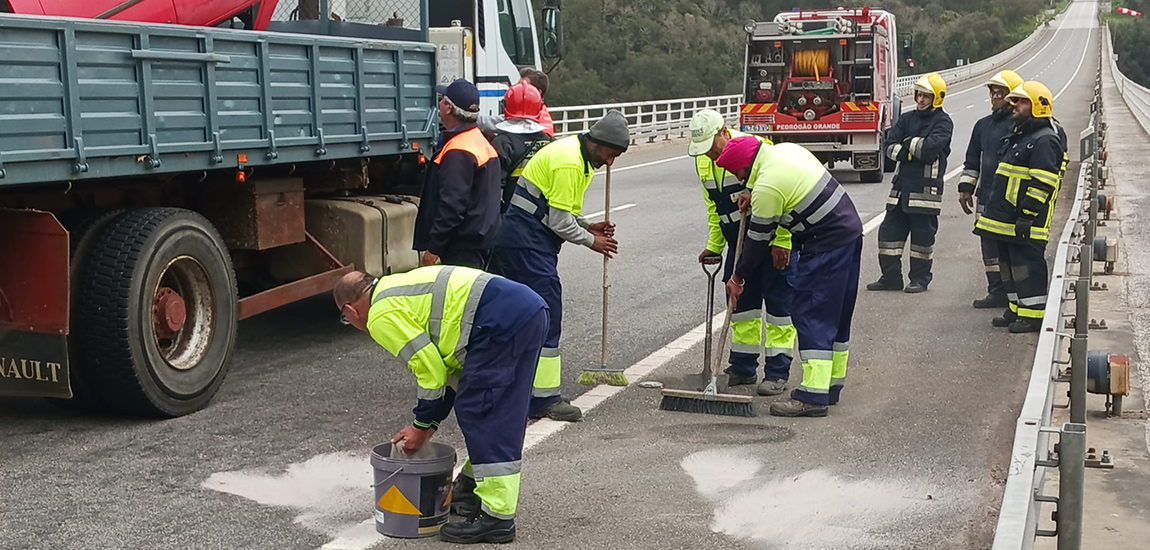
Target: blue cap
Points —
{"points": [[462, 93]]}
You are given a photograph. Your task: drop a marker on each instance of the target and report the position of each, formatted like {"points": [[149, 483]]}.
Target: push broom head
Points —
{"points": [[603, 375], [707, 403]]}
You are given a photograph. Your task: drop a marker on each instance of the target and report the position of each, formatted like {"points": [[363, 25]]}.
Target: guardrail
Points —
{"points": [[904, 84], [648, 119], [1135, 96], [1032, 456], [651, 119]]}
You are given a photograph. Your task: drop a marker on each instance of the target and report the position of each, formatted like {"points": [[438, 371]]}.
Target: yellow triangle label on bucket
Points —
{"points": [[393, 501]]}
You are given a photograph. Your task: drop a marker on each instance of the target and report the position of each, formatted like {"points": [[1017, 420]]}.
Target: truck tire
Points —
{"points": [[871, 176], [82, 237], [157, 313]]}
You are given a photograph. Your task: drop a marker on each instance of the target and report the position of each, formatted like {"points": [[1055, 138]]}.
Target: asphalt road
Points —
{"points": [[912, 458]]}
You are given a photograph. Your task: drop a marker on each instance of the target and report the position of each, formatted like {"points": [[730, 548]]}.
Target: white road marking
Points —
{"points": [[616, 209], [644, 165]]}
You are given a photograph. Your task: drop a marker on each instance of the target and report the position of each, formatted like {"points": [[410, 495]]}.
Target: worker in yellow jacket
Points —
{"points": [[771, 287], [472, 340]]}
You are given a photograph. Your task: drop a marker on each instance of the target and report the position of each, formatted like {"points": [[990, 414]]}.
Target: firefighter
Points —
{"points": [[472, 340], [1020, 206], [519, 135], [459, 211], [771, 286], [793, 189], [544, 213], [919, 142], [978, 175]]}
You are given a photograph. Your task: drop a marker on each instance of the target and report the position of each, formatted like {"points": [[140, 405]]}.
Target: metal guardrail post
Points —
{"points": [[1071, 480]]}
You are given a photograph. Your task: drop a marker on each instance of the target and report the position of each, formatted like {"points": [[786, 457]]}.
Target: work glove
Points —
{"points": [[1022, 228]]}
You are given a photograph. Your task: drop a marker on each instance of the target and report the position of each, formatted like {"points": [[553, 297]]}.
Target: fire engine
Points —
{"points": [[825, 79]]}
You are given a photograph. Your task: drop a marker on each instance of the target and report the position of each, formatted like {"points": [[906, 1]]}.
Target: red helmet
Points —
{"points": [[523, 101]]}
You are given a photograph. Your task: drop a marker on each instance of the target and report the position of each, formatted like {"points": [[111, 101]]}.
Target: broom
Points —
{"points": [[710, 401], [604, 375]]}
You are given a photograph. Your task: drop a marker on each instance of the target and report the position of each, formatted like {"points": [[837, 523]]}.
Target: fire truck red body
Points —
{"points": [[826, 79]]}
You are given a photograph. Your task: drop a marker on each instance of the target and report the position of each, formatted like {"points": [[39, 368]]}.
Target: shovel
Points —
{"points": [[699, 382]]}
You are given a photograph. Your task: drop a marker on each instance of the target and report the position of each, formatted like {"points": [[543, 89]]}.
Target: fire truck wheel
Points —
{"points": [[871, 176], [156, 324], [83, 233]]}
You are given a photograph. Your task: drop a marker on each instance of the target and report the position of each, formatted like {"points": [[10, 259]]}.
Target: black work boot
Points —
{"points": [[1005, 320], [884, 284], [463, 500], [563, 411], [991, 301], [1022, 326], [914, 288], [736, 380], [479, 528]]}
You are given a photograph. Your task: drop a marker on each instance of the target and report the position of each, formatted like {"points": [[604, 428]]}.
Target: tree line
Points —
{"points": [[636, 50]]}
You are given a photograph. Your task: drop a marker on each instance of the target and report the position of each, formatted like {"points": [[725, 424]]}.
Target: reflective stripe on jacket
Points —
{"points": [[920, 142], [1026, 183]]}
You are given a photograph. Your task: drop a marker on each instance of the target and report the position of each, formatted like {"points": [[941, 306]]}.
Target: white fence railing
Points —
{"points": [[668, 117], [957, 74], [1136, 97], [647, 119]]}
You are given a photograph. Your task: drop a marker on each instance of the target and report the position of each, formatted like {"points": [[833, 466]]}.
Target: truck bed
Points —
{"points": [[83, 100]]}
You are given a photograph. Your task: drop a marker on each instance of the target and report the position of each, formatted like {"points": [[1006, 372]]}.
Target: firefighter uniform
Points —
{"points": [[792, 189], [768, 287], [978, 177], [920, 142], [472, 340], [1021, 207], [544, 213]]}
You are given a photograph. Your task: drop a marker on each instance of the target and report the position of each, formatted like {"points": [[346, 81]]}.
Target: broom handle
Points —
{"points": [[730, 302], [607, 220]]}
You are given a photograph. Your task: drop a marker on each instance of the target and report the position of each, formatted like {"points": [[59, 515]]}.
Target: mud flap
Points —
{"points": [[33, 304]]}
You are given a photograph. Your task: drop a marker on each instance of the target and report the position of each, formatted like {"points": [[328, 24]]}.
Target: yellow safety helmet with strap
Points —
{"points": [[1007, 79], [932, 83], [1041, 102]]}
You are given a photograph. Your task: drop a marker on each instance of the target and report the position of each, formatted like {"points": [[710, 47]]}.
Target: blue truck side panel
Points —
{"points": [[83, 99]]}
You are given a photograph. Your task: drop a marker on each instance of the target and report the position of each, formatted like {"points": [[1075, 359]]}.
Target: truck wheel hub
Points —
{"points": [[169, 312]]}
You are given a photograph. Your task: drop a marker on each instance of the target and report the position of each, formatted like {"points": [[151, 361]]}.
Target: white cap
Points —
{"points": [[705, 125]]}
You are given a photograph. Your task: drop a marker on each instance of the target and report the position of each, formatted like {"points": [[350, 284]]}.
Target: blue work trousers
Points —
{"points": [[826, 286]]}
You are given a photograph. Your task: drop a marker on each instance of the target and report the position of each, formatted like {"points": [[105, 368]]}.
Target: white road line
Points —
{"points": [[644, 165], [1085, 51], [616, 209]]}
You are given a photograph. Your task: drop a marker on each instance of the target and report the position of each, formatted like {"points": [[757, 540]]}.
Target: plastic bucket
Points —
{"points": [[412, 495]]}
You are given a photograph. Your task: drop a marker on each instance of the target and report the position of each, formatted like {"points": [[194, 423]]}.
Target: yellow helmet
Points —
{"points": [[1007, 79], [1041, 102], [933, 84]]}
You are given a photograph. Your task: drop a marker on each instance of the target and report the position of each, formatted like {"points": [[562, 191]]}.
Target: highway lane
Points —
{"points": [[307, 397]]}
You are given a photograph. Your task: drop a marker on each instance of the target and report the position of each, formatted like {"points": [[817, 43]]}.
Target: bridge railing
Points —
{"points": [[957, 74], [1033, 455], [1136, 97], [647, 119]]}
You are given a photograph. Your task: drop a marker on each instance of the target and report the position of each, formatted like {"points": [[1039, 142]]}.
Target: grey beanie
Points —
{"points": [[612, 131]]}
